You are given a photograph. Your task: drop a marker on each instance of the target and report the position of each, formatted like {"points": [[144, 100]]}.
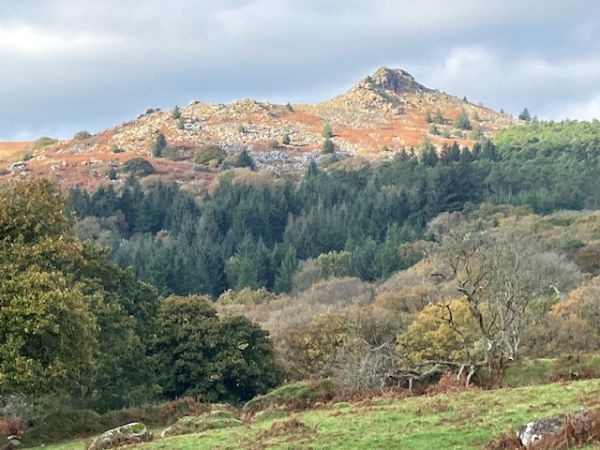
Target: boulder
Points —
{"points": [[12, 444], [131, 433], [204, 422], [537, 429]]}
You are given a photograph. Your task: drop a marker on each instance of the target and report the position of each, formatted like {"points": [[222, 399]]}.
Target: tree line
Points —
{"points": [[253, 233]]}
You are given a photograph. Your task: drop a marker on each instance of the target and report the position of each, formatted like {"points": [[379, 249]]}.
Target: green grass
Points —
{"points": [[447, 421]]}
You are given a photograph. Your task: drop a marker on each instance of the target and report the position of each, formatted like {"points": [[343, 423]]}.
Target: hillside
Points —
{"points": [[465, 420], [381, 113]]}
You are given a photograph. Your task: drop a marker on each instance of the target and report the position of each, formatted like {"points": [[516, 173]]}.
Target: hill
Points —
{"points": [[380, 114], [464, 420]]}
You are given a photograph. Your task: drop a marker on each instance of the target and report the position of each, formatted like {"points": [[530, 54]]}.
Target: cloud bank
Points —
{"points": [[68, 65]]}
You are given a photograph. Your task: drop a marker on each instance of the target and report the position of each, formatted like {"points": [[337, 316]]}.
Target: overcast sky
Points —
{"points": [[68, 65]]}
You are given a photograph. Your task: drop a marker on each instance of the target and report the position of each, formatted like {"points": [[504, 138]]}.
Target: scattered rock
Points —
{"points": [[18, 166], [132, 433]]}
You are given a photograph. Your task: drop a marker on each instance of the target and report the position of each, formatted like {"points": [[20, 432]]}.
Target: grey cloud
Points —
{"points": [[73, 64]]}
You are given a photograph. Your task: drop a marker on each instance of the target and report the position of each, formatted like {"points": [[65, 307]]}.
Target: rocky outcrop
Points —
{"points": [[536, 430], [132, 433]]}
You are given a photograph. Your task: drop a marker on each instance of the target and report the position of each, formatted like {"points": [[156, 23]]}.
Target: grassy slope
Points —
{"points": [[12, 150], [448, 421]]}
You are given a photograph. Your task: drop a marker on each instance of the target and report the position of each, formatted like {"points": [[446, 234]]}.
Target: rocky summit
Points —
{"points": [[379, 115]]}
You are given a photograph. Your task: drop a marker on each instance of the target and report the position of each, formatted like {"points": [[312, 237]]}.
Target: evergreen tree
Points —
{"points": [[327, 132], [244, 159], [525, 115], [176, 113], [286, 271], [428, 118], [328, 147], [462, 121], [438, 117], [158, 146]]}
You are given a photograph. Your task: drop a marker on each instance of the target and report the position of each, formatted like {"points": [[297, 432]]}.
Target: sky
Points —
{"points": [[70, 65]]}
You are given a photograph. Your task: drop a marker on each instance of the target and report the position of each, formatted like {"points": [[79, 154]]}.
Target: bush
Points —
{"points": [[438, 117], [81, 135], [27, 155], [114, 148], [462, 121], [192, 344], [176, 112], [285, 140], [328, 147], [207, 153], [138, 167], [42, 142], [158, 146], [244, 159], [327, 131]]}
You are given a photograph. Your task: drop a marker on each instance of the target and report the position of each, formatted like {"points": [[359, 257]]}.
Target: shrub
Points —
{"points": [[81, 135], [114, 148], [27, 155], [158, 145], [427, 117], [138, 167], [176, 112], [192, 344], [327, 131], [244, 159], [42, 142], [328, 147], [240, 128], [209, 152], [245, 296], [285, 140], [462, 121]]}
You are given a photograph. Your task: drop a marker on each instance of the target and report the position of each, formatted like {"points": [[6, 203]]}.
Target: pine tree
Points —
{"points": [[462, 121], [525, 115], [244, 159], [428, 117], [328, 147], [176, 112], [285, 274], [327, 132], [158, 146]]}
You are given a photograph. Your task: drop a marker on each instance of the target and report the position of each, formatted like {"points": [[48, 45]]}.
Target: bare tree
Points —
{"points": [[499, 271]]}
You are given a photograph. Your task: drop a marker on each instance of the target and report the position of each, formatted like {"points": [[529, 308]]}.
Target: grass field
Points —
{"points": [[445, 421]]}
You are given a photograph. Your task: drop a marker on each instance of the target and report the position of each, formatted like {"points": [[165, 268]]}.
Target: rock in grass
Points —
{"points": [[536, 430], [131, 433], [203, 422]]}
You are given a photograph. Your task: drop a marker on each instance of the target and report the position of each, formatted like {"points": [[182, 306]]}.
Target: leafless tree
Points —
{"points": [[499, 271]]}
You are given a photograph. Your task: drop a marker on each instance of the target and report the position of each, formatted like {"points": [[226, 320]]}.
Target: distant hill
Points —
{"points": [[380, 114]]}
